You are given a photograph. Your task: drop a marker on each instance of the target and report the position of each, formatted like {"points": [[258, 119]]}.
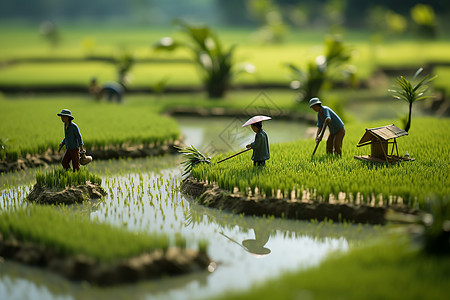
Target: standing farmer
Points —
{"points": [[261, 144], [327, 117], [72, 140]]}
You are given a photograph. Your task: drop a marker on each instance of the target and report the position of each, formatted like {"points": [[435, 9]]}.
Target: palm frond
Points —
{"points": [[407, 92], [193, 157]]}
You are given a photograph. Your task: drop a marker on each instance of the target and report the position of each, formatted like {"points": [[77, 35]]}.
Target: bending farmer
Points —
{"points": [[72, 140], [327, 117], [260, 146], [112, 90]]}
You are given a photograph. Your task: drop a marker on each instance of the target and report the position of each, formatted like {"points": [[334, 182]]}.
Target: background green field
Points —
{"points": [[32, 125], [26, 46]]}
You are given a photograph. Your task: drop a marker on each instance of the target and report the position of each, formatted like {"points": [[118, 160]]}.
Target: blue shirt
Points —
{"points": [[72, 136], [260, 146], [335, 124]]}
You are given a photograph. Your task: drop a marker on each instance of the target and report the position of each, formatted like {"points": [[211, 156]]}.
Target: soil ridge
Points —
{"points": [[151, 265], [69, 195], [212, 195], [49, 158]]}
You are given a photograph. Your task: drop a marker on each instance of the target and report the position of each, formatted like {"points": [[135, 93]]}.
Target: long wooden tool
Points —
{"points": [[315, 148], [233, 155]]}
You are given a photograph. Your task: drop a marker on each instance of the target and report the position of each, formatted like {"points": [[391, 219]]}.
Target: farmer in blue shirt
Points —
{"points": [[260, 146], [327, 117], [111, 89], [72, 140]]}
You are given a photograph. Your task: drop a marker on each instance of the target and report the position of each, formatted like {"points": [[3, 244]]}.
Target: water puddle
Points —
{"points": [[226, 134]]}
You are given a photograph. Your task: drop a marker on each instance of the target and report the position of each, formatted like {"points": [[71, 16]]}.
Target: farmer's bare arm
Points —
{"points": [[322, 130]]}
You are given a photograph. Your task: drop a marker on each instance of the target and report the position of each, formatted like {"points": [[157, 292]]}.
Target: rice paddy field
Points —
{"points": [[291, 169], [255, 257], [34, 127], [143, 198], [27, 56]]}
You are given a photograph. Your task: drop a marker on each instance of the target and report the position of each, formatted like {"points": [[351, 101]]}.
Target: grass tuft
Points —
{"points": [[58, 177]]}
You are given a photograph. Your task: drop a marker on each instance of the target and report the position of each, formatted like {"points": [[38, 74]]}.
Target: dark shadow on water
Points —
{"points": [[256, 245]]}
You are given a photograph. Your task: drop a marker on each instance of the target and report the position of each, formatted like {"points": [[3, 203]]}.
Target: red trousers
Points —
{"points": [[71, 155]]}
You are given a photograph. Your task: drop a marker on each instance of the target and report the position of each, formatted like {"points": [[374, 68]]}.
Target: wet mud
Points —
{"points": [[152, 265], [212, 196], [69, 195]]}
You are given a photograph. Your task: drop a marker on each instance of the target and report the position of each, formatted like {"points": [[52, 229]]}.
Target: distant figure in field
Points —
{"points": [[111, 90], [327, 117], [72, 140]]}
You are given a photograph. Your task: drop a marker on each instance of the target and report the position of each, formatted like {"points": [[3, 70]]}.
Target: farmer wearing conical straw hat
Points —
{"points": [[72, 140], [327, 117], [261, 144]]}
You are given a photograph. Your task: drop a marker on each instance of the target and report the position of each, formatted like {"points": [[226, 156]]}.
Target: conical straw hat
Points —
{"points": [[256, 119]]}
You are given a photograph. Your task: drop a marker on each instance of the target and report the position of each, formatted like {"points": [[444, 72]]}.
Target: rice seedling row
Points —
{"points": [[291, 170], [120, 220], [73, 234], [58, 177], [33, 127]]}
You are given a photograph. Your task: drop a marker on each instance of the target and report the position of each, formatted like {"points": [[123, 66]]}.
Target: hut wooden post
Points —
{"points": [[382, 148], [396, 147]]}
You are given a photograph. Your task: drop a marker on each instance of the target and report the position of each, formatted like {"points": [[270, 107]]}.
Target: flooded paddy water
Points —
{"points": [[143, 195]]}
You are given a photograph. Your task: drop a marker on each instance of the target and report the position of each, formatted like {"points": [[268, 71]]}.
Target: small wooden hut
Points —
{"points": [[379, 140]]}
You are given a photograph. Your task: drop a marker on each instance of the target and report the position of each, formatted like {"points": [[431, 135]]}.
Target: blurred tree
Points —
{"points": [[234, 12], [333, 63], [424, 17], [124, 62], [297, 15], [269, 16], [231, 12], [50, 33], [215, 63], [334, 10], [396, 23]]}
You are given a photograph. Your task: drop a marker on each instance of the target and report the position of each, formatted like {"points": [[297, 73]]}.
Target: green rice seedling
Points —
{"points": [[73, 234], [34, 128], [180, 241], [58, 177], [291, 168]]}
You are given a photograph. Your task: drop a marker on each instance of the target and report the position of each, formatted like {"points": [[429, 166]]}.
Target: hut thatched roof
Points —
{"points": [[384, 133]]}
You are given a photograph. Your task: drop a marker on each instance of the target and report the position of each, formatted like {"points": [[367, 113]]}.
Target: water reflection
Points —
{"points": [[147, 198], [256, 245], [226, 134]]}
